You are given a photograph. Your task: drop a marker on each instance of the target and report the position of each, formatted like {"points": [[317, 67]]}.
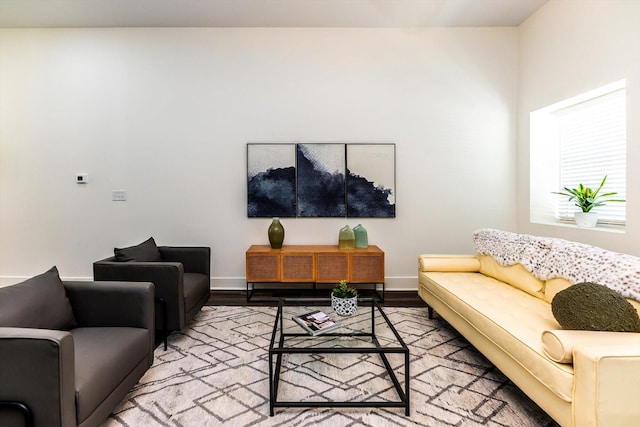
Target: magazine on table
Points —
{"points": [[316, 322]]}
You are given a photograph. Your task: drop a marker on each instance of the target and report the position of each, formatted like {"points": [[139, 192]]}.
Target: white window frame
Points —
{"points": [[545, 163]]}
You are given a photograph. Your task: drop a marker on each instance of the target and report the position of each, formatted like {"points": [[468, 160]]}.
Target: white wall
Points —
{"points": [[166, 114], [567, 48]]}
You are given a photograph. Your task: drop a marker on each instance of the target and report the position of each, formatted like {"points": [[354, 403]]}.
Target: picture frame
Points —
{"points": [[271, 180], [321, 184], [370, 180]]}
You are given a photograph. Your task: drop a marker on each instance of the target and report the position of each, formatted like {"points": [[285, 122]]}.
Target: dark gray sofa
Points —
{"points": [[181, 275], [71, 354]]}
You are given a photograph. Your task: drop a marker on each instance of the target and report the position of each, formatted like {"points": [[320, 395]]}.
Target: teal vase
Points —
{"points": [[276, 234], [362, 240]]}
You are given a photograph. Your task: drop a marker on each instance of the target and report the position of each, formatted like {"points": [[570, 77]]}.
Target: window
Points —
{"points": [[579, 140]]}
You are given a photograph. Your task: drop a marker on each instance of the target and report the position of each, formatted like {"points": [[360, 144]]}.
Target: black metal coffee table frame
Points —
{"points": [[279, 350]]}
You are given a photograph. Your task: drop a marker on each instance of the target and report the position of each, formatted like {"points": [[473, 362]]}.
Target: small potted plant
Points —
{"points": [[586, 199], [344, 299]]}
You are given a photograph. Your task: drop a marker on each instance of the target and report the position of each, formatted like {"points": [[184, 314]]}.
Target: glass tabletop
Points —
{"points": [[368, 329]]}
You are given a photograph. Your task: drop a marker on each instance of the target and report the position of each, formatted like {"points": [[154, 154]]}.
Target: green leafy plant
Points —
{"points": [[586, 198], [343, 290]]}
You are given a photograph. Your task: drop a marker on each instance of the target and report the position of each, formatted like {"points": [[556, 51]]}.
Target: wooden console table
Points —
{"points": [[314, 264]]}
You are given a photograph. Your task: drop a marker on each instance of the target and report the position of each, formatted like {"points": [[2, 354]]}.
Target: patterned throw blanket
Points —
{"points": [[548, 258]]}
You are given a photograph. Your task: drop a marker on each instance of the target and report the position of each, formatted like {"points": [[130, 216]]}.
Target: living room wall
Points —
{"points": [[165, 114], [568, 48]]}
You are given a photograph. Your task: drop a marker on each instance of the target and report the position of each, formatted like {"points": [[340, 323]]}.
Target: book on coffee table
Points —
{"points": [[316, 322]]}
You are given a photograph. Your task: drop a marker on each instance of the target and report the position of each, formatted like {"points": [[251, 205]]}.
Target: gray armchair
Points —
{"points": [[181, 277], [71, 351]]}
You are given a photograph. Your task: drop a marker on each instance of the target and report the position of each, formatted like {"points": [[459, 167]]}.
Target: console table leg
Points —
{"points": [[380, 295], [249, 292]]}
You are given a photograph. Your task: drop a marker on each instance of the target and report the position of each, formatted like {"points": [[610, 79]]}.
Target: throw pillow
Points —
{"points": [[40, 302], [594, 307], [146, 251]]}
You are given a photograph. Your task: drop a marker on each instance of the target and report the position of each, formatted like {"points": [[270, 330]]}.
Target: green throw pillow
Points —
{"points": [[592, 307]]}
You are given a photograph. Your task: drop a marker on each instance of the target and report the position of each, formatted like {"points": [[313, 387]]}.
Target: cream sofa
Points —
{"points": [[580, 378]]}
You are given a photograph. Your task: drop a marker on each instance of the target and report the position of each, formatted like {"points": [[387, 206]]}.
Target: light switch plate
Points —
{"points": [[119, 195]]}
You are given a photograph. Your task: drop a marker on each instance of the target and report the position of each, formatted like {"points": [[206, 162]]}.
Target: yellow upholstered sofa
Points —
{"points": [[580, 378]]}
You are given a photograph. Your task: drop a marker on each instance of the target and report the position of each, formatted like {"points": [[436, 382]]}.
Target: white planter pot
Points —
{"points": [[344, 306], [586, 219]]}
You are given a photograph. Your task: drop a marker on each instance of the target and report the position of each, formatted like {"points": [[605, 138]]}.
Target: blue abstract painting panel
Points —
{"points": [[370, 180], [321, 180], [271, 176]]}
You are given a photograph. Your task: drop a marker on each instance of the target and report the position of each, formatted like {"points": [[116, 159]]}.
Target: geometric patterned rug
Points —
{"points": [[216, 373]]}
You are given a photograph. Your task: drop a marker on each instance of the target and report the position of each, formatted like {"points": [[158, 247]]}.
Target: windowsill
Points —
{"points": [[607, 228]]}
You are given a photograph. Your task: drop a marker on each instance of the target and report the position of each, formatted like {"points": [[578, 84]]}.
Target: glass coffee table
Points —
{"points": [[362, 363]]}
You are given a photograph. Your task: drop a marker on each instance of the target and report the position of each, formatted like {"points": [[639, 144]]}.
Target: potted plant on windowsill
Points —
{"points": [[344, 299], [586, 199]]}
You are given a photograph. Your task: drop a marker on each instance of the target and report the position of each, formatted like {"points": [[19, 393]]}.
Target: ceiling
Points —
{"points": [[265, 13]]}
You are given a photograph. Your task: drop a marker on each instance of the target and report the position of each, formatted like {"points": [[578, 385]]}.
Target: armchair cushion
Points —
{"points": [[104, 356], [46, 299], [146, 251], [196, 287]]}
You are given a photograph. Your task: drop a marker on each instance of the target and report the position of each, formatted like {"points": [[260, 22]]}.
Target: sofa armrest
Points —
{"points": [[559, 344], [195, 259], [447, 262], [38, 370], [606, 384]]}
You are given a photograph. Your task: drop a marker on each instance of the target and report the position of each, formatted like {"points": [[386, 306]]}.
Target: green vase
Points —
{"points": [[362, 241], [346, 238], [276, 234]]}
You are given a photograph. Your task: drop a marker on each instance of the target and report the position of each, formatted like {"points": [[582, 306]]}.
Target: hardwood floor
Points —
{"points": [[270, 298]]}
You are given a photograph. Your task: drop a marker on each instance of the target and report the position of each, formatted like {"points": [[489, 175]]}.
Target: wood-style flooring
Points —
{"points": [[271, 298]]}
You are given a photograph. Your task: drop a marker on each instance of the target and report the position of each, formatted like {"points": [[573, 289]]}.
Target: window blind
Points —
{"points": [[592, 137]]}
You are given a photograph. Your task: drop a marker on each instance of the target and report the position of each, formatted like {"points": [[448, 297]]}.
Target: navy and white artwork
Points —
{"points": [[371, 181], [321, 186], [271, 175], [355, 180]]}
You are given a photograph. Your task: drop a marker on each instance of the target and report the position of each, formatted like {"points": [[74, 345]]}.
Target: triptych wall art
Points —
{"points": [[321, 180]]}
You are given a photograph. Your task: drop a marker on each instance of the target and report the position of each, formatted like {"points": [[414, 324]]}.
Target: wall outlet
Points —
{"points": [[119, 195], [82, 178]]}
